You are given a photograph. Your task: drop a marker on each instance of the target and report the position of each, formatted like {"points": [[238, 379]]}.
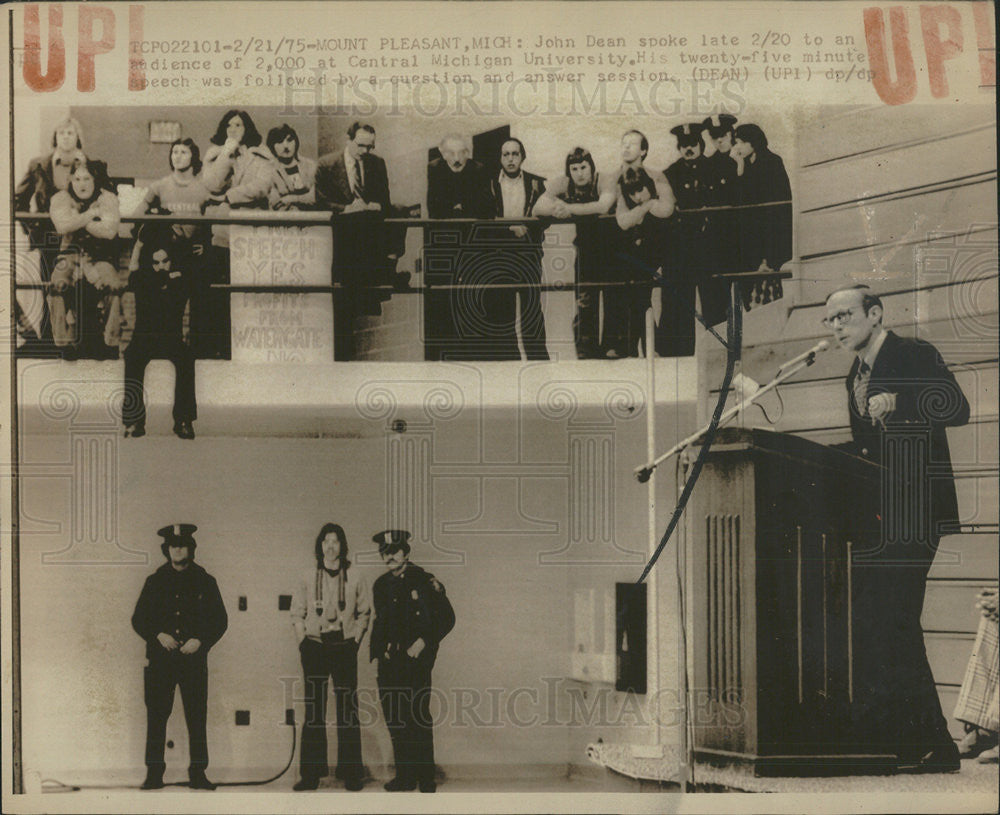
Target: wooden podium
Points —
{"points": [[774, 526]]}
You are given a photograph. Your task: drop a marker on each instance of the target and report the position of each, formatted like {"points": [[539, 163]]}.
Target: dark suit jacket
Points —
{"points": [[333, 188], [913, 446], [765, 233], [363, 239], [458, 195], [534, 186]]}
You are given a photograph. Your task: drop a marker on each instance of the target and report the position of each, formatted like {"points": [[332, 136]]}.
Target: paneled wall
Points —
{"points": [[903, 200]]}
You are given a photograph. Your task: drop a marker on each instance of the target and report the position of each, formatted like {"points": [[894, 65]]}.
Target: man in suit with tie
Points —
{"points": [[901, 396], [355, 183]]}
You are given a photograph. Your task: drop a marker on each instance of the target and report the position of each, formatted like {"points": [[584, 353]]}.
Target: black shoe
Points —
{"points": [[400, 785], [306, 784], [184, 430], [353, 784], [198, 781], [135, 431], [154, 781], [428, 786], [939, 760], [976, 741]]}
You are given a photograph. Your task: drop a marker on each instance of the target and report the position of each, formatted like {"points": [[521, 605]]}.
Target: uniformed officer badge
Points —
{"points": [[414, 595]]}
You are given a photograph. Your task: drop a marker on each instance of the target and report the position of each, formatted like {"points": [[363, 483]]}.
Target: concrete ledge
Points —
{"points": [[344, 399]]}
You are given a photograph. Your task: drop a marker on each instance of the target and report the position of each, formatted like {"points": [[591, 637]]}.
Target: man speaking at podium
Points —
{"points": [[901, 397]]}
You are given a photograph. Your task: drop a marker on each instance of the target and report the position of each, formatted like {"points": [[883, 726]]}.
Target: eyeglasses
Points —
{"points": [[839, 318]]}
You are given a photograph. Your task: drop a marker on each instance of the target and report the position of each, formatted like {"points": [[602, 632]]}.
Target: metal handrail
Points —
{"points": [[304, 218], [319, 217]]}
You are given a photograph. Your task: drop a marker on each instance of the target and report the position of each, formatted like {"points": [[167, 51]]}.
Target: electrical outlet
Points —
{"points": [[242, 718], [284, 602], [290, 716]]}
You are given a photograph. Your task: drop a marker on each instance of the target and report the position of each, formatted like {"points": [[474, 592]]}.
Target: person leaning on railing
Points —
{"points": [[765, 233], [46, 176], [641, 193], [354, 182], [238, 173], [642, 256], [86, 215], [182, 192], [583, 194], [293, 177]]}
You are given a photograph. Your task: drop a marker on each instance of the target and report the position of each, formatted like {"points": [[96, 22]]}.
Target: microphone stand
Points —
{"points": [[784, 373]]}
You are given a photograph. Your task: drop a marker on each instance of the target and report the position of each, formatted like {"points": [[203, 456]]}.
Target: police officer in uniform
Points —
{"points": [[180, 615], [412, 616], [722, 245], [686, 263]]}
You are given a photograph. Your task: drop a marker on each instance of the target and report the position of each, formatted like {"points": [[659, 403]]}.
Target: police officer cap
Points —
{"points": [[719, 124], [687, 133], [391, 539], [178, 535]]}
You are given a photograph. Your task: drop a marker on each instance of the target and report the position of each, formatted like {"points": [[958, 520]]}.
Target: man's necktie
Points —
{"points": [[861, 388], [356, 178]]}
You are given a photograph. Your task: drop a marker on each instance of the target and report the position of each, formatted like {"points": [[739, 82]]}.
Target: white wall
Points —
{"points": [[258, 504]]}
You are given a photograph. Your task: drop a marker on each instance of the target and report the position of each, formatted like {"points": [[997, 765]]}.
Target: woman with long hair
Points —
{"points": [[765, 232], [237, 171], [331, 609]]}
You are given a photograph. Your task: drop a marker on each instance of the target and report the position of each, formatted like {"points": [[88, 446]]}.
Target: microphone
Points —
{"points": [[809, 355]]}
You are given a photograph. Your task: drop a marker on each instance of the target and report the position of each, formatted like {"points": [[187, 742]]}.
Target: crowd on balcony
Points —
{"points": [[723, 206]]}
